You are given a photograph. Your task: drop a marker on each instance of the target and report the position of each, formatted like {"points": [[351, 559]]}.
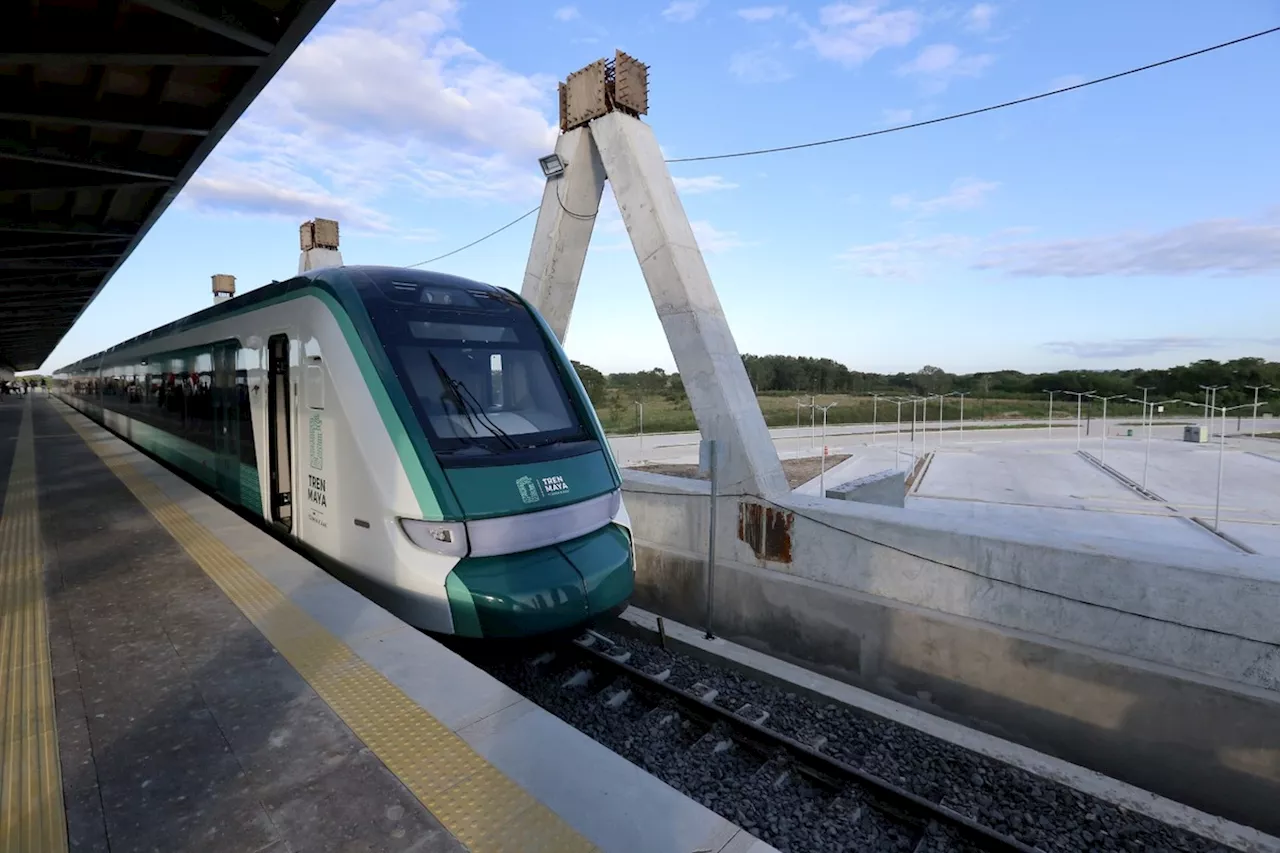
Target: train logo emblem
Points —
{"points": [[553, 485], [532, 491], [317, 443], [528, 490]]}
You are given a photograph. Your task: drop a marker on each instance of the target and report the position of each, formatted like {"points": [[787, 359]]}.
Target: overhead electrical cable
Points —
{"points": [[895, 128]]}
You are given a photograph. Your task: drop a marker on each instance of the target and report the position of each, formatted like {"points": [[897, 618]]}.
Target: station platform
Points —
{"points": [[173, 678]]}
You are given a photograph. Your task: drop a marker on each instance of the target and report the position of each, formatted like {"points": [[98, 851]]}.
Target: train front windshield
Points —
{"points": [[479, 374]]}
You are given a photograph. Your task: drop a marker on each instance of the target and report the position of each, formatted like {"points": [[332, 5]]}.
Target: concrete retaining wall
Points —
{"points": [[1163, 673]]}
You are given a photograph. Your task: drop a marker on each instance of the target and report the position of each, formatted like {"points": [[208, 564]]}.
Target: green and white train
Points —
{"points": [[423, 436]]}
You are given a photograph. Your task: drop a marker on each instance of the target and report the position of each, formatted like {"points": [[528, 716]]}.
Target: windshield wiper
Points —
{"points": [[471, 406]]}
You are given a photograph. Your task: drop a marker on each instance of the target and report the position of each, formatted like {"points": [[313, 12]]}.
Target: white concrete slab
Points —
{"points": [[1157, 529]]}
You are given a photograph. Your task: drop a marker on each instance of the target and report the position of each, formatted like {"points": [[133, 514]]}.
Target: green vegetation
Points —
{"points": [[998, 396]]}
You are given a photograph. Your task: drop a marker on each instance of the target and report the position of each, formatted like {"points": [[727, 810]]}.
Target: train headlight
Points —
{"points": [[442, 537]]}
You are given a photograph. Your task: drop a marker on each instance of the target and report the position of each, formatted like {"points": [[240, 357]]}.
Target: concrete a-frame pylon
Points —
{"points": [[603, 138]]}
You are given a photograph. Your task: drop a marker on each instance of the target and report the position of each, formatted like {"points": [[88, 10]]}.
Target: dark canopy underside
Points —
{"points": [[107, 107]]}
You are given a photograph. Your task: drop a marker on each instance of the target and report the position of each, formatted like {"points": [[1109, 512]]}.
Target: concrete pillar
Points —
{"points": [[563, 230], [319, 240], [705, 353]]}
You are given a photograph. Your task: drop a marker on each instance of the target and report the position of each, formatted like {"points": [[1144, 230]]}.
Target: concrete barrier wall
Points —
{"points": [[1163, 673]]}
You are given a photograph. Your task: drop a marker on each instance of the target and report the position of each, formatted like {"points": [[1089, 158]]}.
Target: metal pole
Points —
{"points": [[1104, 430], [798, 448], [1147, 460], [939, 420], [812, 415], [1253, 429], [1051, 393], [962, 418], [1222, 448], [874, 401], [711, 536], [924, 425], [822, 463], [897, 438], [1104, 424], [641, 405]]}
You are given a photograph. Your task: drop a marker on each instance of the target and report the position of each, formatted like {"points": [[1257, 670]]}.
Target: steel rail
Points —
{"points": [[905, 804]]}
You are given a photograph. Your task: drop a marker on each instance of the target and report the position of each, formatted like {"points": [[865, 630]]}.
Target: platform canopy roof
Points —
{"points": [[107, 107]]}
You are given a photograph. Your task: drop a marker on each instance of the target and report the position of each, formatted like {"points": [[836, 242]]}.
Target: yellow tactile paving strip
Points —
{"points": [[483, 809], [31, 812]]}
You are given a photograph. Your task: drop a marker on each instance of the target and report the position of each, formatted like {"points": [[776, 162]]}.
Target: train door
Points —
{"points": [[279, 447], [226, 420]]}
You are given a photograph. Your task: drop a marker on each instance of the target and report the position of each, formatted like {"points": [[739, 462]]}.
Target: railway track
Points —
{"points": [[929, 822], [807, 776]]}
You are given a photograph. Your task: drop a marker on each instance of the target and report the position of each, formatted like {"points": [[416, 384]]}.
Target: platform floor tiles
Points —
{"points": [[178, 725]]}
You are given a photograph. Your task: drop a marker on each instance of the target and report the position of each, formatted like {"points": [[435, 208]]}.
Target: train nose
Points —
{"points": [[547, 589]]}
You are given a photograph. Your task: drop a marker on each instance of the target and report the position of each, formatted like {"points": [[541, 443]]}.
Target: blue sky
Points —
{"points": [[1135, 223]]}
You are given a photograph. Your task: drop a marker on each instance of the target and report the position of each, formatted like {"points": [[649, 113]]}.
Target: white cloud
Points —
{"points": [[894, 117], [681, 11], [1223, 247], [759, 66], [383, 103], [762, 13], [938, 64], [852, 33], [978, 18], [902, 259], [712, 240], [253, 191], [1134, 347], [703, 184], [566, 13], [965, 194]]}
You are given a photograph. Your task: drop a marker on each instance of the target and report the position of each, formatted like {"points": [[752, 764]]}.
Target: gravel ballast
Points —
{"points": [[779, 804]]}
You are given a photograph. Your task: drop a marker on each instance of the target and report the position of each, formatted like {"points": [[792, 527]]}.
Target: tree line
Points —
{"points": [[789, 374]]}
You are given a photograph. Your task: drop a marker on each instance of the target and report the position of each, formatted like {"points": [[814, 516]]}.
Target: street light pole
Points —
{"points": [[640, 405], [1079, 395], [961, 395], [1222, 449], [875, 400], [940, 396], [915, 401], [1104, 423], [800, 404], [897, 436], [1147, 420], [1144, 389], [924, 423], [822, 465], [1253, 430], [811, 421], [1051, 393], [1210, 399]]}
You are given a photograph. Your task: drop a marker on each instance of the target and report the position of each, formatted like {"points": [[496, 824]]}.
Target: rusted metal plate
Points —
{"points": [[584, 95], [631, 83], [766, 530]]}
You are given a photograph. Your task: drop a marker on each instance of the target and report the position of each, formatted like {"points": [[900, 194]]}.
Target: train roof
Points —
{"points": [[257, 296]]}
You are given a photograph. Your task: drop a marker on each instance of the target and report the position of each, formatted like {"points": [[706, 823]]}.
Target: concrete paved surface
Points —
{"points": [[1023, 477]]}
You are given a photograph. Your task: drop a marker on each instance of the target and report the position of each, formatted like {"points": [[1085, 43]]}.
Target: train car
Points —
{"points": [[423, 436]]}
